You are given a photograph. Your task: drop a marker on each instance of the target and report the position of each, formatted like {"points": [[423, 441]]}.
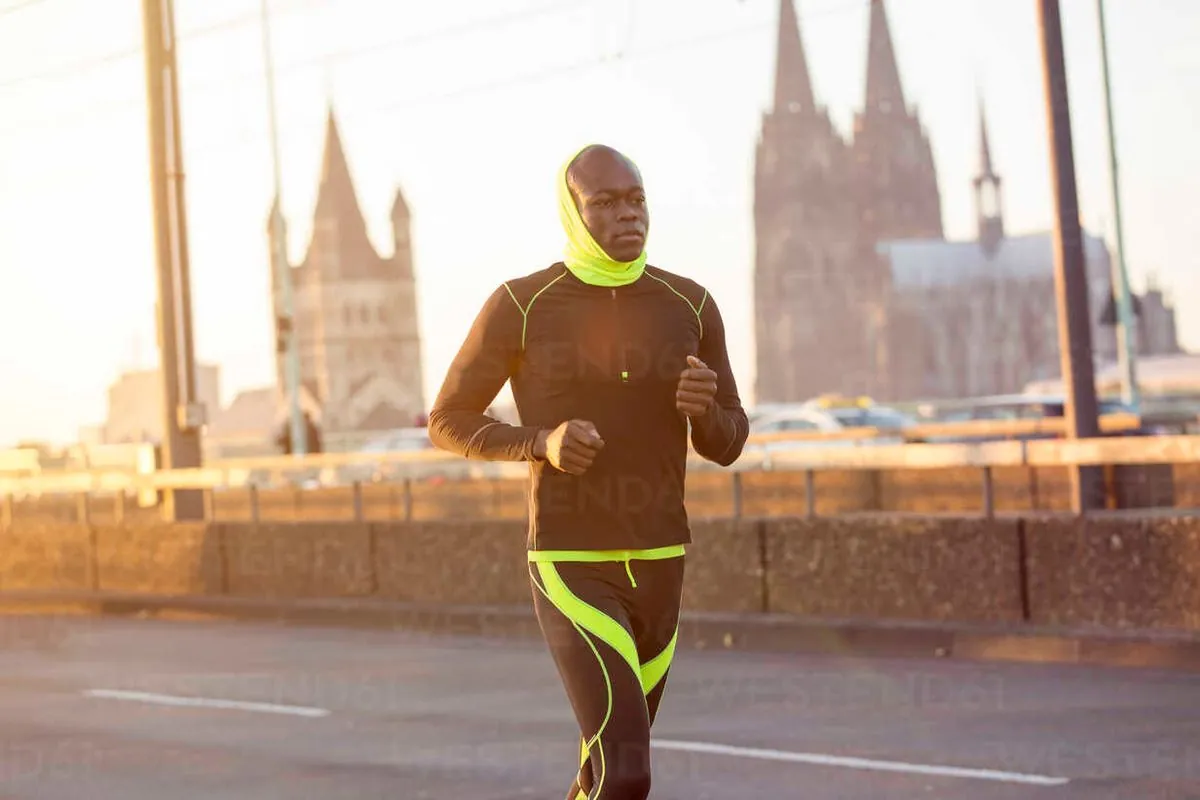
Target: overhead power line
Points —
{"points": [[323, 59], [83, 66], [527, 78], [6, 10], [205, 152]]}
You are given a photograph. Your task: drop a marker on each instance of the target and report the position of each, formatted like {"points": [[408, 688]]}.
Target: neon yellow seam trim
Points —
{"points": [[681, 296], [652, 554], [525, 311], [567, 597], [654, 669]]}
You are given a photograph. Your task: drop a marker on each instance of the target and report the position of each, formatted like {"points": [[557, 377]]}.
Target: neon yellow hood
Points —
{"points": [[586, 259]]}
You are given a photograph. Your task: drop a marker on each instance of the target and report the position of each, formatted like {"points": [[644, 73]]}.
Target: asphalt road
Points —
{"points": [[109, 709]]}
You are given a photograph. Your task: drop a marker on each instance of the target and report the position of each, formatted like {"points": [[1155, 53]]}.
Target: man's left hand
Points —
{"points": [[697, 388]]}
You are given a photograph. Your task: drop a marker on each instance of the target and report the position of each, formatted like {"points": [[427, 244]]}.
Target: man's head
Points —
{"points": [[608, 192]]}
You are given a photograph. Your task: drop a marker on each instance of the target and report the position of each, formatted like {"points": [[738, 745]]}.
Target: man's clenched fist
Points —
{"points": [[697, 388], [571, 447]]}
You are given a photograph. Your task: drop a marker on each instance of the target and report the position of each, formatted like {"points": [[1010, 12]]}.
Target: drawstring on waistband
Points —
{"points": [[629, 572]]}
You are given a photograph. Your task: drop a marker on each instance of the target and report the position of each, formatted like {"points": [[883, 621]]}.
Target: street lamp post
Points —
{"points": [[285, 322], [1070, 277], [183, 414], [1126, 331]]}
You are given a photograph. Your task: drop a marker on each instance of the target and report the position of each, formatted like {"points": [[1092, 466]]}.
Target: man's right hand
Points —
{"points": [[571, 447]]}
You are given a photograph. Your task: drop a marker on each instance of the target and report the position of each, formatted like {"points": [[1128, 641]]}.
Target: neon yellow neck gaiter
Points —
{"points": [[586, 259]]}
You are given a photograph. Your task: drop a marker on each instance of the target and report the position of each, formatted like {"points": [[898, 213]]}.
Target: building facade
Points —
{"points": [[857, 289], [822, 201], [355, 312], [135, 404]]}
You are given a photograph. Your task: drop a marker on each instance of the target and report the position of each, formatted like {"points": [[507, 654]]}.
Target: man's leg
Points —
{"points": [[655, 623], [588, 633]]}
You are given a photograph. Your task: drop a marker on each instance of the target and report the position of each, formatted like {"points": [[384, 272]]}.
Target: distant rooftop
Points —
{"points": [[933, 263]]}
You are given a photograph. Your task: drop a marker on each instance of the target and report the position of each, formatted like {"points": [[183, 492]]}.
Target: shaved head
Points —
{"points": [[596, 158], [607, 189]]}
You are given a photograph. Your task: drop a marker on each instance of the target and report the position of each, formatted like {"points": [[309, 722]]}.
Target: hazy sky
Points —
{"points": [[469, 107]]}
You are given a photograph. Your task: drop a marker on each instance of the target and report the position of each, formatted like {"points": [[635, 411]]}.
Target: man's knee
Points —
{"points": [[628, 786], [628, 776]]}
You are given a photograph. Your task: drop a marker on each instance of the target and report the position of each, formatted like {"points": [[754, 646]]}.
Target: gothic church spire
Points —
{"points": [[884, 91], [793, 85]]}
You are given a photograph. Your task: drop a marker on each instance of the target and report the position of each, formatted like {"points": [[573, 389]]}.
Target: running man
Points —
{"points": [[611, 362]]}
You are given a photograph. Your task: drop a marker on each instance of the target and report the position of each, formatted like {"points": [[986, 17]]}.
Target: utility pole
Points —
{"points": [[1126, 330], [1070, 277], [285, 319], [183, 414]]}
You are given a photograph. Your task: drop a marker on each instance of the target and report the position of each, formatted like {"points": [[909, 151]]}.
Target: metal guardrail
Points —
{"points": [[967, 429], [982, 455]]}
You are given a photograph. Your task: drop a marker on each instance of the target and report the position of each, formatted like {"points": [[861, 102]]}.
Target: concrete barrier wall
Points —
{"points": [[297, 560], [1116, 571], [162, 558], [464, 563], [47, 556], [893, 567]]}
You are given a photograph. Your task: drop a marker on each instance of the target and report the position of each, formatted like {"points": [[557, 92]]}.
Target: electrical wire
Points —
{"points": [[206, 152], [324, 59], [83, 66], [6, 10], [529, 78]]}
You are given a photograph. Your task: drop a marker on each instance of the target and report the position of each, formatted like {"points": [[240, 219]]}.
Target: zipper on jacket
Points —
{"points": [[619, 337]]}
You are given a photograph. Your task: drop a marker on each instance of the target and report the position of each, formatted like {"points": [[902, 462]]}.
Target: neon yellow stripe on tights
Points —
{"points": [[651, 554]]}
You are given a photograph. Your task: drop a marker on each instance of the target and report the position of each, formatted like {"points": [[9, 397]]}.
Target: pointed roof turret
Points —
{"points": [[275, 210], [400, 209], [985, 147], [336, 192], [884, 91], [338, 223], [793, 85]]}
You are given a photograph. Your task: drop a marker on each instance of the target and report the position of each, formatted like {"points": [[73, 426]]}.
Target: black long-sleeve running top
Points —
{"points": [[609, 355]]}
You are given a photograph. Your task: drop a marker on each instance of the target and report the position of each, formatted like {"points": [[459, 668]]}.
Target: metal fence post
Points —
{"points": [[254, 511], [810, 494], [989, 494], [119, 507], [738, 499], [408, 500], [358, 502]]}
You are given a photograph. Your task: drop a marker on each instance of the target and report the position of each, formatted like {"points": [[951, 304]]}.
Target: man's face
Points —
{"points": [[612, 202]]}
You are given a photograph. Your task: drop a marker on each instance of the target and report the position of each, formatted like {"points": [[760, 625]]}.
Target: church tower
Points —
{"points": [[895, 179], [356, 312], [989, 195], [804, 236]]}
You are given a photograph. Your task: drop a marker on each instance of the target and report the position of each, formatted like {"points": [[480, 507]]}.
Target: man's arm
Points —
{"points": [[487, 358], [720, 434]]}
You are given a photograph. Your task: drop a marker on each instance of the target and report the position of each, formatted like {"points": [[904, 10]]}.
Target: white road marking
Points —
{"points": [[859, 763], [206, 702]]}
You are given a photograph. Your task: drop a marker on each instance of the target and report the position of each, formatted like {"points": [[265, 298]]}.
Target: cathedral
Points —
{"points": [[355, 314], [856, 289]]}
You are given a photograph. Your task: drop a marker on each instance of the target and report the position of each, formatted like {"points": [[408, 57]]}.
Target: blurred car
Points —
{"points": [[828, 414], [1013, 407]]}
